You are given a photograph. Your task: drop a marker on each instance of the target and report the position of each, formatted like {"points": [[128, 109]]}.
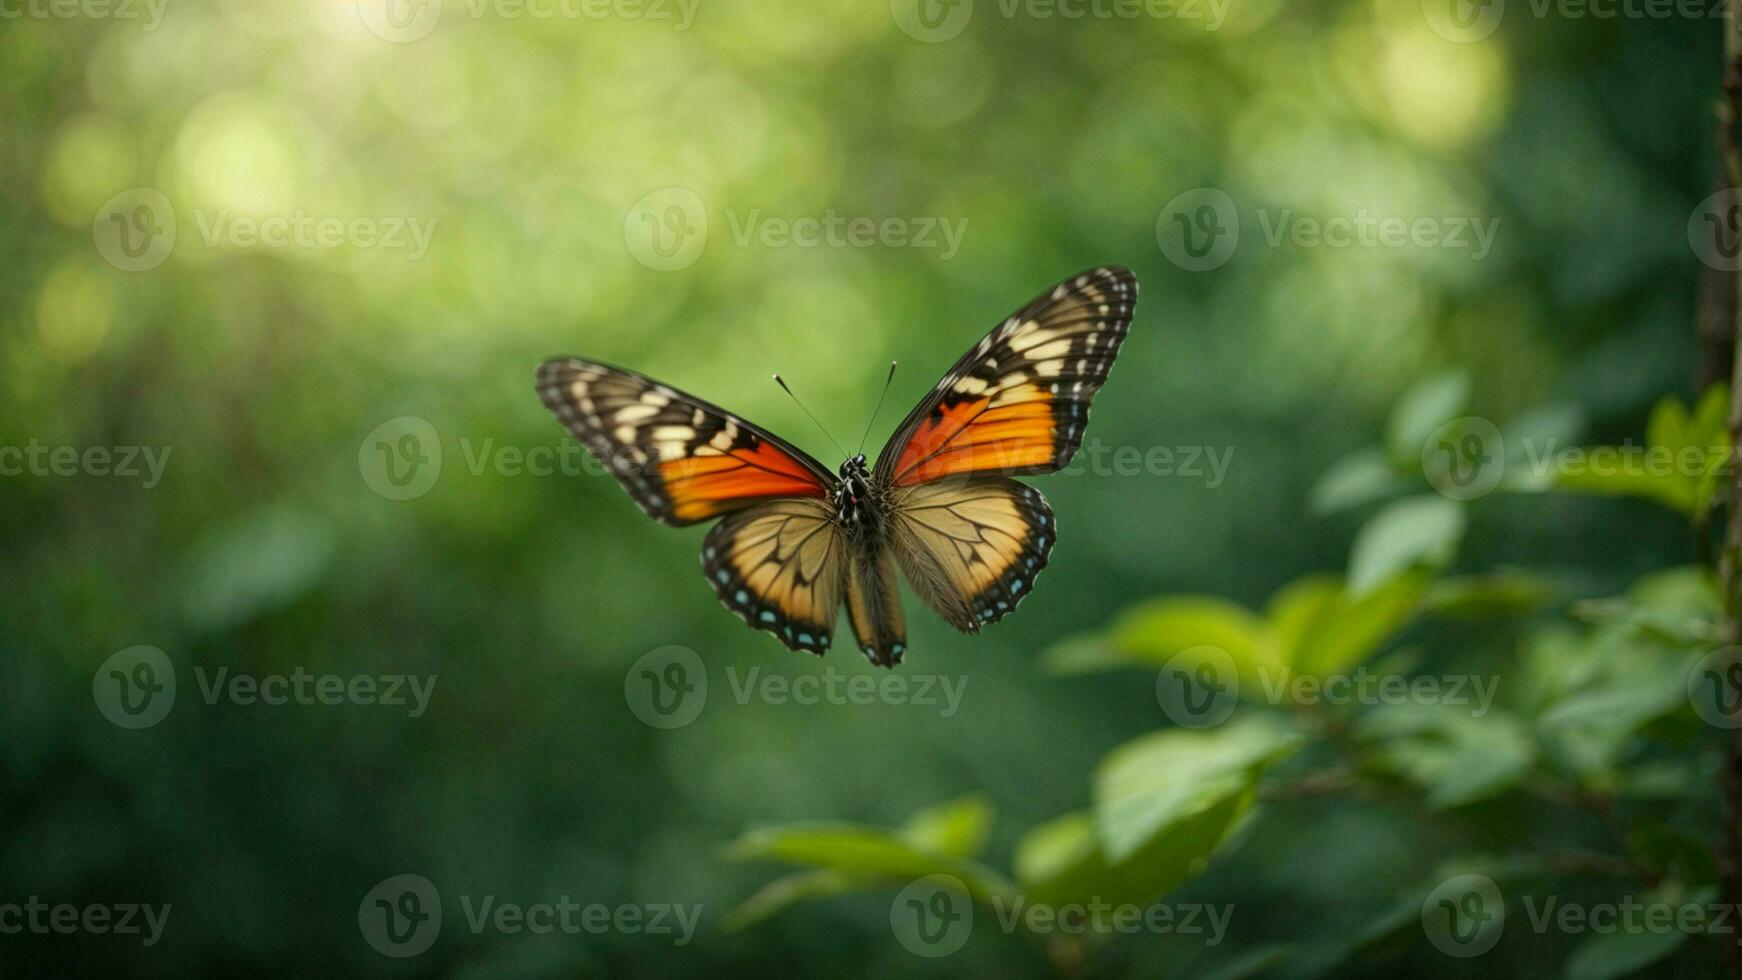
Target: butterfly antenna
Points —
{"points": [[884, 393], [782, 383]]}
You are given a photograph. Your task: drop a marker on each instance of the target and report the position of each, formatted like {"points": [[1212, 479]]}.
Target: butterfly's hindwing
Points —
{"points": [[874, 606], [1017, 403], [781, 565], [972, 547], [682, 459]]}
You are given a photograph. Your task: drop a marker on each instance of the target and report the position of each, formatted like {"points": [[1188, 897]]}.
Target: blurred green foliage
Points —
{"points": [[525, 144]]}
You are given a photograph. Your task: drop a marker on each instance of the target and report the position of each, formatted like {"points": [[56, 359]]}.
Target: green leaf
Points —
{"points": [[1249, 963], [1457, 756], [1147, 786], [782, 893], [1410, 533], [1679, 606], [859, 851], [1493, 595], [1063, 861], [1427, 405], [1604, 956], [1153, 631], [957, 828], [1318, 628], [1531, 437], [1359, 478], [1680, 467], [1084, 653], [1629, 475]]}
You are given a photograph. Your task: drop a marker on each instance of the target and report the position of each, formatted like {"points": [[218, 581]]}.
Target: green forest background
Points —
{"points": [[539, 154]]}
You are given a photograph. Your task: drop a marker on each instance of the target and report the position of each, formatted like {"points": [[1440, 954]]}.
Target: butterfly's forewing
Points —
{"points": [[781, 565], [971, 546], [682, 459], [1017, 402]]}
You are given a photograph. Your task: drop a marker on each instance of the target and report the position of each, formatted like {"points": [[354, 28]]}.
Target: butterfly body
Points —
{"points": [[795, 542], [853, 496]]}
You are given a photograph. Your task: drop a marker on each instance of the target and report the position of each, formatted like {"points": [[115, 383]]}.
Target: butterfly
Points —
{"points": [[794, 541]]}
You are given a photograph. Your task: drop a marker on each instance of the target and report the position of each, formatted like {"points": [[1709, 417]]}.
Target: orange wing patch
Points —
{"points": [[1018, 401], [682, 459], [706, 484], [1009, 433]]}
